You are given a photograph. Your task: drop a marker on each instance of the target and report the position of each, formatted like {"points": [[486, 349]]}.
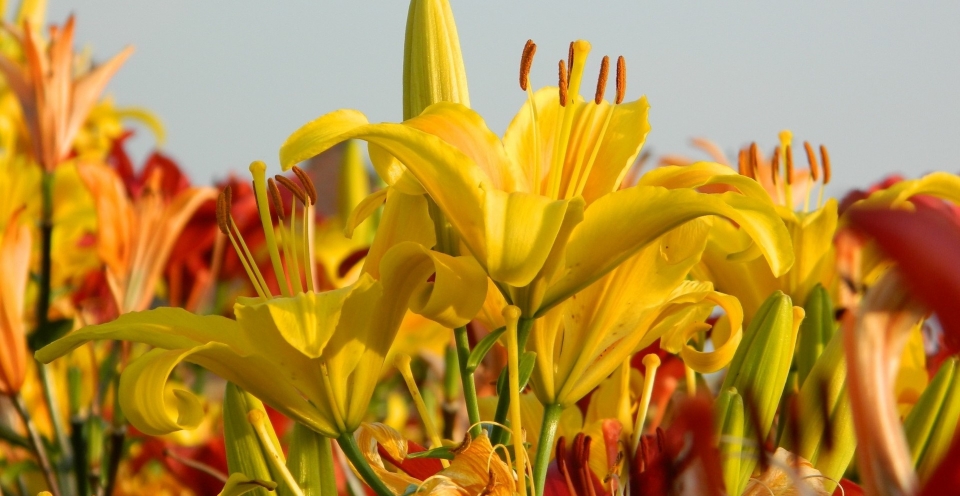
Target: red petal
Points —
{"points": [[926, 245]]}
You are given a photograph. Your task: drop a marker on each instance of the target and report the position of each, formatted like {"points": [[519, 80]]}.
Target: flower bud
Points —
{"points": [[761, 364], [729, 423], [823, 419], [432, 63], [815, 331], [931, 423], [244, 453]]}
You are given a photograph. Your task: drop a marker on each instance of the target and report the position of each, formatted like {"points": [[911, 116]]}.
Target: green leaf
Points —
{"points": [[483, 347], [527, 362], [443, 452]]}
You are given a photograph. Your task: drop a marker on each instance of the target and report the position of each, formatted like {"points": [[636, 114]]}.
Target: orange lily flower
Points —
{"points": [[14, 269], [54, 103], [137, 230]]}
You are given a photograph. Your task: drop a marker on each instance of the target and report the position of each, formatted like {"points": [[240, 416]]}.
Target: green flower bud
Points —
{"points": [[815, 330], [432, 63], [244, 453], [823, 416], [309, 454], [729, 423], [761, 364], [931, 423]]}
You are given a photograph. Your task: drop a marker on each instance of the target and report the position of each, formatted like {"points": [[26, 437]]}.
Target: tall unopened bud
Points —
{"points": [[432, 63]]}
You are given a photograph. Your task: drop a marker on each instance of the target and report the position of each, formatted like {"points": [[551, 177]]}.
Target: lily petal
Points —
{"points": [[596, 246]]}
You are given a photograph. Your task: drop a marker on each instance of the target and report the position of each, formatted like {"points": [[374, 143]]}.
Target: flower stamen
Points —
{"points": [[310, 268], [228, 227], [258, 169], [526, 62], [621, 79], [602, 80]]}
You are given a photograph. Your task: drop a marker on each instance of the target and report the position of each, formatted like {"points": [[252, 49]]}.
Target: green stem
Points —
{"points": [[498, 434], [466, 376], [328, 478], [36, 443], [352, 451], [548, 430], [46, 239]]}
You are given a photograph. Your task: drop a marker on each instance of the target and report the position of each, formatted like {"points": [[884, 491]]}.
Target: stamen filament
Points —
{"points": [[553, 176], [582, 182], [258, 420], [575, 77], [310, 271], [289, 254], [257, 276], [309, 267], [402, 363], [259, 169], [224, 221], [650, 363]]}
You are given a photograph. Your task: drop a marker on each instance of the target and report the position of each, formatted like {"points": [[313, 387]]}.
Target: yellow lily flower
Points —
{"points": [[731, 260], [557, 169], [135, 235], [582, 341], [314, 356], [14, 269], [55, 104]]}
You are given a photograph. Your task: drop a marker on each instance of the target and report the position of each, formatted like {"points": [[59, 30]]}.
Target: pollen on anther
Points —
{"points": [[307, 183], [222, 212], [825, 158], [775, 166], [621, 79], [812, 160], [754, 160], [292, 187], [563, 84], [569, 61], [742, 164], [526, 61], [788, 155], [275, 200], [602, 80]]}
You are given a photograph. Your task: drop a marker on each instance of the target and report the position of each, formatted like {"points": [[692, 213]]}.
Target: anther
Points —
{"points": [[569, 61], [812, 160], [222, 211], [602, 80], [307, 184], [788, 155], [563, 84], [621, 79], [275, 199], [825, 158], [754, 160], [775, 166], [742, 162], [292, 187], [526, 60]]}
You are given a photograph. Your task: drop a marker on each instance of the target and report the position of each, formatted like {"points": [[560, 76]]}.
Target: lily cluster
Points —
{"points": [[535, 313]]}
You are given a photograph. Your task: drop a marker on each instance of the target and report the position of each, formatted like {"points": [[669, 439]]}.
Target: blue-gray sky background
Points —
{"points": [[876, 81]]}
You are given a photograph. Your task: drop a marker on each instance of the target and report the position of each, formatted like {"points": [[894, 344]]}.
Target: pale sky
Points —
{"points": [[875, 81]]}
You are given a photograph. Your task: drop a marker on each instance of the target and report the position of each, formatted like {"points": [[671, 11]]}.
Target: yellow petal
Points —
{"points": [[465, 129], [600, 243], [939, 184], [151, 404], [239, 483], [405, 218], [703, 174], [517, 249], [219, 345]]}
